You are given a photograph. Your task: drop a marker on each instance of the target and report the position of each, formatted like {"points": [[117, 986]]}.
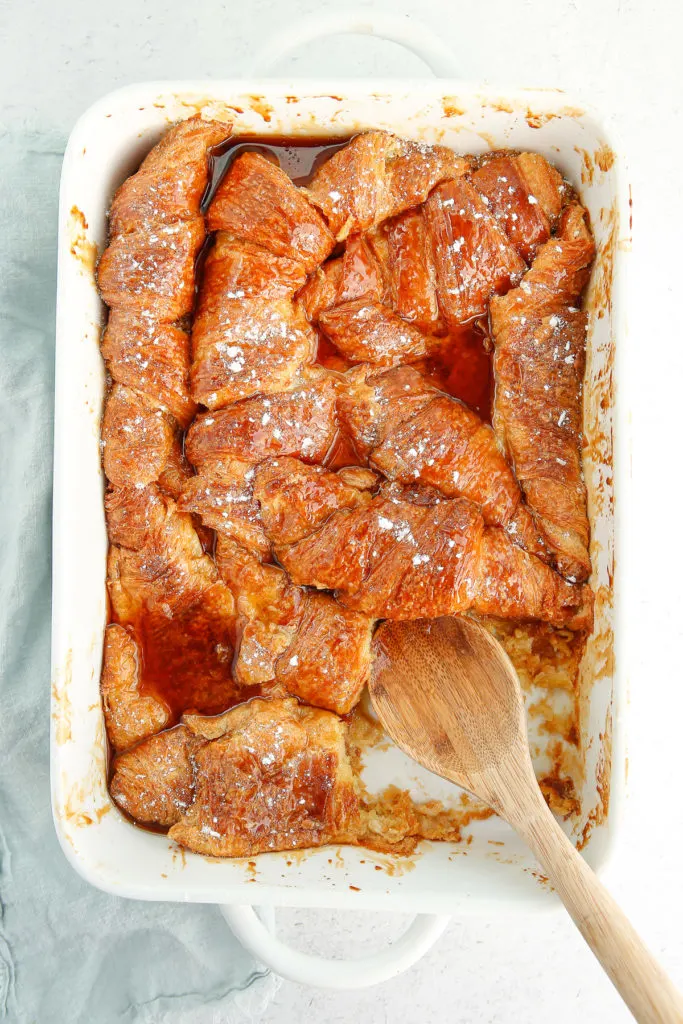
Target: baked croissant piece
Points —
{"points": [[257, 202], [473, 257], [289, 640], [274, 775], [146, 276], [525, 194], [170, 608], [356, 274], [371, 332], [301, 420], [540, 352], [249, 337], [292, 640], [413, 433], [269, 775], [406, 554], [376, 176]]}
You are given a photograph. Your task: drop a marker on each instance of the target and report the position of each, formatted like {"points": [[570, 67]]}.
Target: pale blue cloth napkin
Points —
{"points": [[68, 953]]}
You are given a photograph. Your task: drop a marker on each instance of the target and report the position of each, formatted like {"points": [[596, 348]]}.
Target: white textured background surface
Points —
{"points": [[625, 58]]}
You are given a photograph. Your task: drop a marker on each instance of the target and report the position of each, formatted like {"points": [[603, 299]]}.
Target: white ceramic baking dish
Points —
{"points": [[494, 870]]}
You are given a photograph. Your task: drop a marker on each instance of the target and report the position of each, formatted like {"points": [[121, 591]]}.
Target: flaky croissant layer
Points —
{"points": [[403, 554]]}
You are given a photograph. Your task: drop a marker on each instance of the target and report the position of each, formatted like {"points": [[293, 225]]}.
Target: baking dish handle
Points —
{"points": [[319, 972], [397, 28]]}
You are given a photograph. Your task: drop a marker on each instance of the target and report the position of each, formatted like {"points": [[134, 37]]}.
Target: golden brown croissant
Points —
{"points": [[435, 265], [416, 558], [221, 494], [248, 336], [525, 194], [274, 775], [293, 640], [540, 341], [154, 782], [404, 248], [356, 274], [130, 715], [288, 496], [413, 433], [151, 270], [466, 231], [290, 640], [137, 437], [168, 595], [257, 202], [159, 580], [268, 775], [300, 421], [152, 357], [369, 332], [147, 277], [156, 227], [172, 179], [376, 176], [473, 258], [147, 272]]}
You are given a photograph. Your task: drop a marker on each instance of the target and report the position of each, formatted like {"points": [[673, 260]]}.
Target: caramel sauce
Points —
{"points": [[187, 663], [299, 158], [329, 357], [464, 368], [342, 453]]}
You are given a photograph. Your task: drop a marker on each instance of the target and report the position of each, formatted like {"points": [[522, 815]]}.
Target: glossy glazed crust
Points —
{"points": [[300, 421], [257, 202], [248, 336], [172, 178], [406, 555], [378, 175], [437, 264], [158, 576], [405, 244], [525, 194], [152, 357], [151, 270], [154, 781], [356, 274], [293, 641], [274, 776], [540, 354], [412, 433], [473, 256], [369, 332]]}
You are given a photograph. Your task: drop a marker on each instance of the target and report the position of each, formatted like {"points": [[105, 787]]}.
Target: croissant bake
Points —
{"points": [[292, 454]]}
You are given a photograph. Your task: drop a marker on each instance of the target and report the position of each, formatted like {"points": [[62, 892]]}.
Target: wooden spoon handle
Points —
{"points": [[645, 988]]}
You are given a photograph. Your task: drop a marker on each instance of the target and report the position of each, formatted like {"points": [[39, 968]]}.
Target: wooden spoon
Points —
{"points": [[449, 696]]}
